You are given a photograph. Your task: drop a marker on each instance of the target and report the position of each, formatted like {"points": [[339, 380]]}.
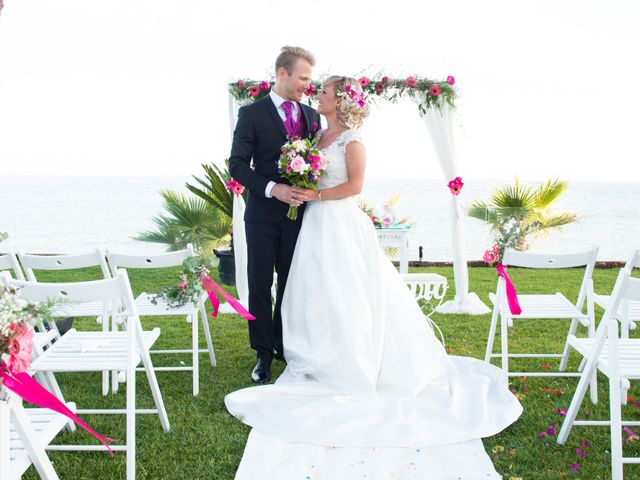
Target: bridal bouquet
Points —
{"points": [[16, 320], [190, 288], [302, 164]]}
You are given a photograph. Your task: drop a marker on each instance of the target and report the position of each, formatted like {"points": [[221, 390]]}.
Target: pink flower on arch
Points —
{"points": [[378, 87], [451, 80], [20, 348], [254, 90], [311, 89], [364, 81], [240, 83], [410, 82], [434, 91], [455, 186], [264, 86]]}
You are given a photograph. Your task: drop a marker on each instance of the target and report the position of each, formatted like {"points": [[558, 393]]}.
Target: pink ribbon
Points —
{"points": [[512, 296], [212, 288], [23, 385]]}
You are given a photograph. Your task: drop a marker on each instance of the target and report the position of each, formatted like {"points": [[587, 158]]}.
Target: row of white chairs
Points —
{"points": [[25, 266], [607, 349]]}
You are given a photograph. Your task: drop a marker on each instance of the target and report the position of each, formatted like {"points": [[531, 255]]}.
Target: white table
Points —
{"points": [[396, 237]]}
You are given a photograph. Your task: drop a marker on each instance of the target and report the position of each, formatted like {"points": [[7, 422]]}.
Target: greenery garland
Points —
{"points": [[428, 93]]}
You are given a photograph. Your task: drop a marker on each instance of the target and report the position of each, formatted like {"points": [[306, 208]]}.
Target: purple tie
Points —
{"points": [[289, 123]]}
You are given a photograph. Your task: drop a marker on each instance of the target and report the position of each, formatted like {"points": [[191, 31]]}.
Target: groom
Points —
{"points": [[262, 128]]}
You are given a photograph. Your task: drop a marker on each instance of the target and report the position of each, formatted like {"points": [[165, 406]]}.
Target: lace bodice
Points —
{"points": [[336, 163]]}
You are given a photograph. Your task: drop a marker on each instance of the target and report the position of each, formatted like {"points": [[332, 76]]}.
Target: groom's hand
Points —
{"points": [[287, 194]]}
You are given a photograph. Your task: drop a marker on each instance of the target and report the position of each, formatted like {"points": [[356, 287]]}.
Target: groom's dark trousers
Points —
{"points": [[271, 236]]}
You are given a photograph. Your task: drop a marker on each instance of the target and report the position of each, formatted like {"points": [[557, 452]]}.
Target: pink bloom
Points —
{"points": [[561, 412], [313, 158], [183, 285], [575, 466], [297, 164], [240, 83], [585, 444], [364, 81], [455, 186], [378, 87], [310, 90], [489, 256], [434, 91], [542, 434], [580, 453], [451, 80], [552, 429], [384, 81], [410, 82], [264, 86], [254, 91], [314, 165], [20, 349]]}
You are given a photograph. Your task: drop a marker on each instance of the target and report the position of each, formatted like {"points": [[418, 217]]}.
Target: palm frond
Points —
{"points": [[549, 192]]}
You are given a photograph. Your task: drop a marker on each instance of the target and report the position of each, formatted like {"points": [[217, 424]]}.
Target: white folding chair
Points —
{"points": [[9, 261], [629, 312], [99, 351], [24, 435], [146, 308], [545, 306], [31, 262], [619, 360]]}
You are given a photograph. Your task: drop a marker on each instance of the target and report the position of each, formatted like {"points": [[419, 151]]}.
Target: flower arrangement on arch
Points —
{"points": [[429, 93]]}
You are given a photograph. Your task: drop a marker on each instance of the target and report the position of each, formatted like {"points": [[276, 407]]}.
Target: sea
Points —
{"points": [[58, 214]]}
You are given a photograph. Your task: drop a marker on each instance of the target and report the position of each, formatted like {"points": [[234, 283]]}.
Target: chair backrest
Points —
{"points": [[625, 289], [585, 259], [63, 262], [10, 262], [634, 260], [160, 260]]}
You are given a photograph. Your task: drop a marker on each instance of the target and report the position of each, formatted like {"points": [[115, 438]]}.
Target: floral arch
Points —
{"points": [[436, 105]]}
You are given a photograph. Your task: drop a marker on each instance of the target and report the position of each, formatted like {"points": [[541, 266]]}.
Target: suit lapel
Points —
{"points": [[274, 114]]}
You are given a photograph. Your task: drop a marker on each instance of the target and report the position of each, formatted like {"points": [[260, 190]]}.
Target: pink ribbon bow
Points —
{"points": [[212, 288], [512, 296], [23, 385]]}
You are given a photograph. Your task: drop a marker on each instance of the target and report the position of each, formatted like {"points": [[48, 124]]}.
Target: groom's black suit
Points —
{"points": [[271, 236]]}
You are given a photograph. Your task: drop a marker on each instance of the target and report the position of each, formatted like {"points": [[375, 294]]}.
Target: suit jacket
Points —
{"points": [[257, 139]]}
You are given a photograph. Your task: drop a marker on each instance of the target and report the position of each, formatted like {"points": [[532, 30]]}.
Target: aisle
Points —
{"points": [[268, 458]]}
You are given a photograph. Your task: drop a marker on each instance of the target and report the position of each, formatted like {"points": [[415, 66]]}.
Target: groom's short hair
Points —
{"points": [[289, 55]]}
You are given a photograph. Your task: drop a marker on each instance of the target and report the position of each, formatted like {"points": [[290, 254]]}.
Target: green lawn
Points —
{"points": [[205, 442]]}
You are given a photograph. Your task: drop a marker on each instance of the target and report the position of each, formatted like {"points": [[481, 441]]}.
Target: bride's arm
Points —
{"points": [[355, 159]]}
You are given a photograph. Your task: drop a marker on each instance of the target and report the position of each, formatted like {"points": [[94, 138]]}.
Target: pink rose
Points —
{"points": [[451, 80], [410, 82], [310, 90], [434, 91], [240, 83], [313, 158], [297, 164], [364, 81], [20, 349], [378, 87], [254, 91], [183, 285], [264, 86], [314, 165], [384, 81]]}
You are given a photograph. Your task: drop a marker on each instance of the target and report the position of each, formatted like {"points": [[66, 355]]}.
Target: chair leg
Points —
{"points": [[593, 393], [567, 347], [492, 335], [114, 373], [616, 427], [105, 373], [195, 354], [153, 384], [504, 341], [207, 335], [131, 423]]}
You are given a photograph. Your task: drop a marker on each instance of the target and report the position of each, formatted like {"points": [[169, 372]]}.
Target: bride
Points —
{"points": [[364, 368]]}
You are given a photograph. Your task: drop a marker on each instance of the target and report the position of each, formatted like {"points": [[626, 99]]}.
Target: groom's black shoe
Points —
{"points": [[262, 371]]}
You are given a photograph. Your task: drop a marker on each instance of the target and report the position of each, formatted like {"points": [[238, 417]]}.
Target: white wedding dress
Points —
{"points": [[364, 368]]}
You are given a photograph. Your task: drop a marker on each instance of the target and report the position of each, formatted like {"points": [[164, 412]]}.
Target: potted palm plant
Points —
{"points": [[516, 211]]}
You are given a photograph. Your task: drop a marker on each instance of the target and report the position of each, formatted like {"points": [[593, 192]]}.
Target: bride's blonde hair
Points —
{"points": [[350, 113]]}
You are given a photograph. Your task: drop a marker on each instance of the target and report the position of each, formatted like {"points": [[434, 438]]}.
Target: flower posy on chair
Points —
{"points": [[16, 318]]}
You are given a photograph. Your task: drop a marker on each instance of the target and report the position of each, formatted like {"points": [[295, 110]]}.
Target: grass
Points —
{"points": [[205, 442]]}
